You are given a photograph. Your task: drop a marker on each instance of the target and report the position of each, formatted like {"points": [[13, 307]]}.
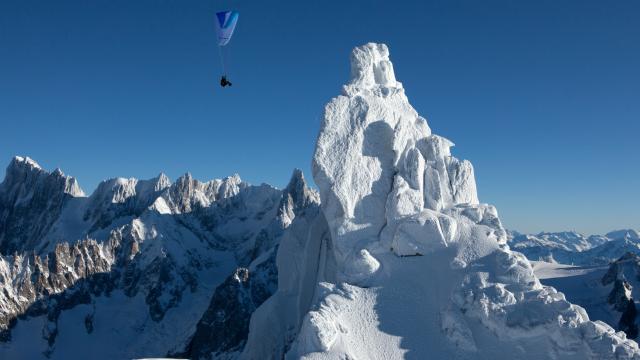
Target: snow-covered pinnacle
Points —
{"points": [[377, 166], [371, 69], [161, 182], [189, 193], [295, 196], [300, 193], [390, 189]]}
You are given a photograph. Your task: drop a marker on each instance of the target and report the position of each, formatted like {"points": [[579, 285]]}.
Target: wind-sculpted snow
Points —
{"points": [[414, 266], [609, 293], [383, 177], [146, 257]]}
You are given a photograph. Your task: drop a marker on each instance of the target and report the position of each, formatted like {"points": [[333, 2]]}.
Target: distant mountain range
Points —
{"points": [[570, 247]]}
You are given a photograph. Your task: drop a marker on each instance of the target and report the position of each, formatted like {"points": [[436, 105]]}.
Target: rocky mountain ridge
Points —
{"points": [[161, 249]]}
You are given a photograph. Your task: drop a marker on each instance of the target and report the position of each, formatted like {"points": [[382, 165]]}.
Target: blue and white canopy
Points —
{"points": [[225, 24]]}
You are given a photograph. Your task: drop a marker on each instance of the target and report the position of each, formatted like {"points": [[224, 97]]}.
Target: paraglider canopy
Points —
{"points": [[225, 24]]}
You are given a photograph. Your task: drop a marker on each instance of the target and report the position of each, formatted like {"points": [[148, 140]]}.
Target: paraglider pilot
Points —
{"points": [[224, 82]]}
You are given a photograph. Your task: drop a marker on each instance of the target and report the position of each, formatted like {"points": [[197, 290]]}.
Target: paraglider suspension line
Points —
{"points": [[224, 68]]}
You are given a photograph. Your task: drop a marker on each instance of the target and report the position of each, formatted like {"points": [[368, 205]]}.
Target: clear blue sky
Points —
{"points": [[542, 96]]}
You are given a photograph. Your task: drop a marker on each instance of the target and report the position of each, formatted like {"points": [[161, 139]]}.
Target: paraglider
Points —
{"points": [[224, 82], [225, 24]]}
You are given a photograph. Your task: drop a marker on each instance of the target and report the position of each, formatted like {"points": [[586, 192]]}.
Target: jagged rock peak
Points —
{"points": [[162, 182], [229, 186], [625, 268], [115, 190], [25, 161], [24, 171], [31, 199], [118, 190], [297, 195], [188, 193], [300, 192], [188, 180], [297, 177]]}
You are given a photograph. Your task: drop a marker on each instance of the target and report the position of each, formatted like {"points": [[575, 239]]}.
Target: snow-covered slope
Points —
{"points": [[140, 267], [575, 248], [409, 263], [623, 277], [609, 293]]}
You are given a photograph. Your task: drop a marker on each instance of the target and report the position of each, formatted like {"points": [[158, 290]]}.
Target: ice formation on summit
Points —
{"points": [[385, 177], [407, 263]]}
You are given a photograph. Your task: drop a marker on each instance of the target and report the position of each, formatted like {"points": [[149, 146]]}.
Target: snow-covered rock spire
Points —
{"points": [[390, 189], [381, 172]]}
